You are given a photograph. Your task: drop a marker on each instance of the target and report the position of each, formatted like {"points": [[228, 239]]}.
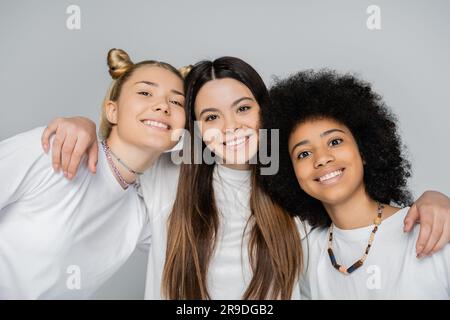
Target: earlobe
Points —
{"points": [[111, 112]]}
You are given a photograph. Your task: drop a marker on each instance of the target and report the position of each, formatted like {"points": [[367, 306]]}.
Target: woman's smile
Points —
{"points": [[154, 124], [330, 177]]}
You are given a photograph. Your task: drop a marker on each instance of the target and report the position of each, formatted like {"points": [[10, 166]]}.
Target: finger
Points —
{"points": [[424, 235], [56, 149], [77, 154], [66, 151], [48, 131], [411, 217], [435, 235], [441, 243], [445, 238], [93, 157]]}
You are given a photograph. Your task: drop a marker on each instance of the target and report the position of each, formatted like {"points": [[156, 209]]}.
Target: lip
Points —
{"points": [[331, 180], [156, 127]]}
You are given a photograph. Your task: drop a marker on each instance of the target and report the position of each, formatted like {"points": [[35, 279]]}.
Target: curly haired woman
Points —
{"points": [[343, 171]]}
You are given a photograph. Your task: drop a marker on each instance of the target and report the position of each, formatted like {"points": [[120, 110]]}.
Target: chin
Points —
{"points": [[159, 145], [332, 199], [239, 157]]}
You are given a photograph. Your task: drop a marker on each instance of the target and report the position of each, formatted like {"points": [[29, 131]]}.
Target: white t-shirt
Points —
{"points": [[391, 270], [229, 273], [59, 238]]}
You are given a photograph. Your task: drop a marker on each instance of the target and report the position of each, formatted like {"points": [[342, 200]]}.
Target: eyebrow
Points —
{"points": [[156, 85], [323, 134], [330, 131], [235, 103], [240, 100]]}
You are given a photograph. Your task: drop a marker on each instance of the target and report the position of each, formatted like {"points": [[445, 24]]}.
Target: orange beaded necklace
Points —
{"points": [[360, 262]]}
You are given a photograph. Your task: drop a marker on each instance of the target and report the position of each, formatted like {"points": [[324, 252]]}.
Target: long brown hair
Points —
{"points": [[274, 241]]}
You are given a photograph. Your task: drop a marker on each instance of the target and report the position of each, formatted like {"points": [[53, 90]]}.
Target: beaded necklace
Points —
{"points": [[116, 171], [360, 262], [123, 163]]}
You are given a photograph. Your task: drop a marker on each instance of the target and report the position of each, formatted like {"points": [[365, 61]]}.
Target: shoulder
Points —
{"points": [[395, 222], [28, 140], [304, 227], [25, 166], [162, 171], [24, 150], [308, 232], [395, 230], [159, 184], [317, 234]]}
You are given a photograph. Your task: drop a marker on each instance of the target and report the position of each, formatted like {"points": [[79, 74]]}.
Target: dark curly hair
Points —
{"points": [[346, 99]]}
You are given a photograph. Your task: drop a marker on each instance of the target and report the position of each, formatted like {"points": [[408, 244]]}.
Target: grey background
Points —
{"points": [[47, 70]]}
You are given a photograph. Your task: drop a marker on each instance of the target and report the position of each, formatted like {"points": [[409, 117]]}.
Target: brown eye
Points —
{"points": [[211, 117], [145, 93], [335, 142], [176, 103], [303, 155], [243, 108]]}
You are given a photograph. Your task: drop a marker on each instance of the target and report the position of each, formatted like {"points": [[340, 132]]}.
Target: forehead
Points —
{"points": [[313, 128], [161, 76], [221, 92]]}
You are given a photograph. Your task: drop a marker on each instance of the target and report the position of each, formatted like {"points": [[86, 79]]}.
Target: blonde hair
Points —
{"points": [[121, 68]]}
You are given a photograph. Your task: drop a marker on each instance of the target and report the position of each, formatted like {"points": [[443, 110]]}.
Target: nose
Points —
{"points": [[162, 106], [231, 125], [322, 158]]}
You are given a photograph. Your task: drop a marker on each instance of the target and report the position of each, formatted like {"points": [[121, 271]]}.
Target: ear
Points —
{"points": [[111, 111]]}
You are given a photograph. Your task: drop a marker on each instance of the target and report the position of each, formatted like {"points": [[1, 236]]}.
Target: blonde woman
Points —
{"points": [[63, 239]]}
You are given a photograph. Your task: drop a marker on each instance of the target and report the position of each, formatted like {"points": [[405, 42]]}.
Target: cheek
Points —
{"points": [[180, 119], [125, 116], [251, 124], [252, 120], [129, 108], [353, 156], [353, 160]]}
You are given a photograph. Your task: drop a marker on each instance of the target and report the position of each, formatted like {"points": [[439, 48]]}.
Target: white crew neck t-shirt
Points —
{"points": [[58, 238], [229, 273], [391, 270]]}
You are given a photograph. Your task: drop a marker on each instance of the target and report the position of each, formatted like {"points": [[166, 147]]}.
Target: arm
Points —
{"points": [[73, 138], [432, 210]]}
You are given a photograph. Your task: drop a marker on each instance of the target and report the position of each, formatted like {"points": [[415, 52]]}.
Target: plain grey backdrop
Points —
{"points": [[48, 70]]}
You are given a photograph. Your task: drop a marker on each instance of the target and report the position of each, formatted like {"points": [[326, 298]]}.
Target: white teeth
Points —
{"points": [[235, 142], [152, 123], [330, 175]]}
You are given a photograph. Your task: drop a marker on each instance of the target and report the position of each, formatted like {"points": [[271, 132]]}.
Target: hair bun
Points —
{"points": [[118, 62], [185, 70]]}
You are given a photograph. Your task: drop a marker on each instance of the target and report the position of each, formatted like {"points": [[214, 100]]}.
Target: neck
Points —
{"points": [[237, 166], [136, 158], [355, 212]]}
